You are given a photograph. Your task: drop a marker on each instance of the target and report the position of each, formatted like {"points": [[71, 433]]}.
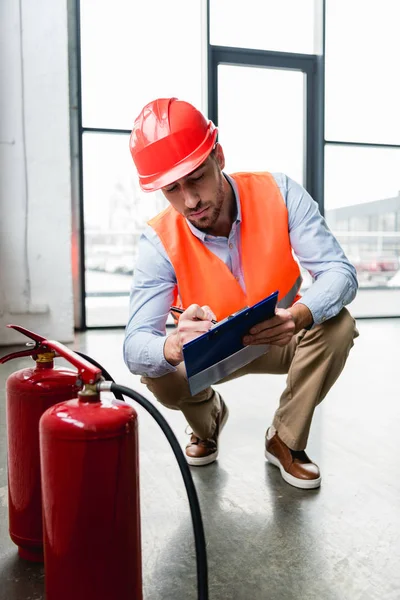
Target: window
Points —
{"points": [[284, 26], [127, 63], [361, 210], [362, 62], [362, 156], [260, 130], [124, 66]]}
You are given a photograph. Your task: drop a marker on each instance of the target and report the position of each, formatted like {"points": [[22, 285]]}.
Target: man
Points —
{"points": [[223, 243]]}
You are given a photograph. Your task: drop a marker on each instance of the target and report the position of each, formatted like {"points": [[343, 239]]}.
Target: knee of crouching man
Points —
{"points": [[343, 328]]}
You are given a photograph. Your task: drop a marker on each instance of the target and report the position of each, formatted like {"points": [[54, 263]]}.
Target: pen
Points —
{"points": [[176, 309]]}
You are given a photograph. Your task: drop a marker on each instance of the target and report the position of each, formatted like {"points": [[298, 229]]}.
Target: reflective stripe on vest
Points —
{"points": [[266, 254], [292, 294]]}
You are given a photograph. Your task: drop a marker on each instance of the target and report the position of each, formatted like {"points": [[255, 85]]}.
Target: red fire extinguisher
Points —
{"points": [[90, 483], [30, 392]]}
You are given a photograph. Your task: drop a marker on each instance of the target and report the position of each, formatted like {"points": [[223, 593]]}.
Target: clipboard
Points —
{"points": [[219, 352]]}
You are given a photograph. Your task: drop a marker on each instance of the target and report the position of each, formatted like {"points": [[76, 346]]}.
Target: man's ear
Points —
{"points": [[220, 156]]}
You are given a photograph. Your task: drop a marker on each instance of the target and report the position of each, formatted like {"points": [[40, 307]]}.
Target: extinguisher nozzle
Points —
{"points": [[104, 386]]}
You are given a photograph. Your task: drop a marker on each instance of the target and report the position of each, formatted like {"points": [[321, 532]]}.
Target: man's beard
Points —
{"points": [[207, 222]]}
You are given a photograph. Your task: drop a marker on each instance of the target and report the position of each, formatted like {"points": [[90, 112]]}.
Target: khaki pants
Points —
{"points": [[313, 360]]}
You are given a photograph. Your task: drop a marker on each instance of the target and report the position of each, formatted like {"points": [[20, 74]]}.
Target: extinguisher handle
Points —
{"points": [[30, 352], [88, 373], [30, 334]]}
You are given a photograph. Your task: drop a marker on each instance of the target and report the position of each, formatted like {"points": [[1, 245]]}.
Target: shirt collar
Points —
{"points": [[200, 234]]}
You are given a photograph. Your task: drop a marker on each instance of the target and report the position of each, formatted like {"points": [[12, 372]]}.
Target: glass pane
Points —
{"points": [[285, 26], [362, 62], [272, 140], [362, 207], [115, 213], [134, 52]]}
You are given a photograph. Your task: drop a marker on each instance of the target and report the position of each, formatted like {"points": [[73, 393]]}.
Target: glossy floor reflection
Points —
{"points": [[266, 540]]}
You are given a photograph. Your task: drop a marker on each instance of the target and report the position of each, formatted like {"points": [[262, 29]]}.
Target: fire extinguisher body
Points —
{"points": [[30, 392], [91, 512]]}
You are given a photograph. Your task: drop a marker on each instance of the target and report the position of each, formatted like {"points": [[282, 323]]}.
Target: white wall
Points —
{"points": [[35, 187]]}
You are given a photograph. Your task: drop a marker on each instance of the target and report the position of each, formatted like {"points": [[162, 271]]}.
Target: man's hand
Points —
{"points": [[279, 330], [195, 321]]}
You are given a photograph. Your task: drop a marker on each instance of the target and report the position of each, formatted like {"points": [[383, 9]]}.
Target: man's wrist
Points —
{"points": [[172, 351], [302, 316]]}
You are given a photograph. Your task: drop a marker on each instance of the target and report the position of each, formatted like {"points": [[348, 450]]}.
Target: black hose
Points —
{"points": [[200, 542], [106, 374], [198, 529]]}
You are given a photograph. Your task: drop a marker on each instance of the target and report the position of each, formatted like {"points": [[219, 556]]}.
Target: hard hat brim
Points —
{"points": [[157, 181]]}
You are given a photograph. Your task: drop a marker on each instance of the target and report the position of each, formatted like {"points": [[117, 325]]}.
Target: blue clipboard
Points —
{"points": [[219, 352]]}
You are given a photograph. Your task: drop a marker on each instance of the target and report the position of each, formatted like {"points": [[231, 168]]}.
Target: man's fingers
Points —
{"points": [[280, 340], [270, 334], [266, 325], [194, 312], [201, 313], [281, 317], [209, 315], [282, 332], [193, 322]]}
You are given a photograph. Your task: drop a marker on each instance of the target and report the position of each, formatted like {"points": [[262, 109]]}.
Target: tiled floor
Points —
{"points": [[266, 540]]}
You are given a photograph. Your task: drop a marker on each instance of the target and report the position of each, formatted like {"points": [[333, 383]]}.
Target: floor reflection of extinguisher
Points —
{"points": [[90, 489], [30, 392]]}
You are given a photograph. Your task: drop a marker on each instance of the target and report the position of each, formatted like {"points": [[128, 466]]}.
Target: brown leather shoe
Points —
{"points": [[295, 466], [203, 452]]}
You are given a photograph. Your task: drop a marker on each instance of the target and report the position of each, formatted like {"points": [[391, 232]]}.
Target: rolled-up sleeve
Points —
{"points": [[319, 252]]}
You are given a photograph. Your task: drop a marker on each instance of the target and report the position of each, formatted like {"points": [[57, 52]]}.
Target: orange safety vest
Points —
{"points": [[266, 254]]}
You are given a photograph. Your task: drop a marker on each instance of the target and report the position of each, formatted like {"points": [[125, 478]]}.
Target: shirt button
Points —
{"points": [[230, 246], [323, 319]]}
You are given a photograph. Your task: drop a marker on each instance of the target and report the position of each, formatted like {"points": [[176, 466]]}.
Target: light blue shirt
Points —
{"points": [[318, 251]]}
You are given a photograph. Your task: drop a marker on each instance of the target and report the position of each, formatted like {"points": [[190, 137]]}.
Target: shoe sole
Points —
{"points": [[207, 460], [304, 484]]}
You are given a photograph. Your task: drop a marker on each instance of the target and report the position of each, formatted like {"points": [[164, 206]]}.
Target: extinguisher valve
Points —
{"points": [[89, 393], [45, 357]]}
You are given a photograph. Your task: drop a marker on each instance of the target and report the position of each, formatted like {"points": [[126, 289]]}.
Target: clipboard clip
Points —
{"points": [[237, 312], [229, 317]]}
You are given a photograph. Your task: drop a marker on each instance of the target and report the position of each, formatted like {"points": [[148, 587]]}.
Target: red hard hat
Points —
{"points": [[170, 139]]}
